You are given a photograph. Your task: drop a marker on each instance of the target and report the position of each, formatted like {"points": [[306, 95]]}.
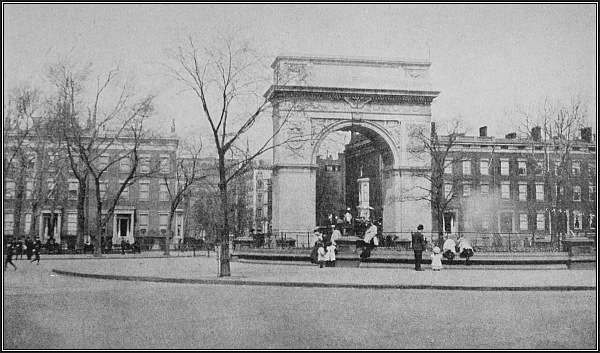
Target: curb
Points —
{"points": [[319, 285]]}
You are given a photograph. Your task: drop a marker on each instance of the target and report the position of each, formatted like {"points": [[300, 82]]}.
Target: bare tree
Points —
{"points": [[225, 78], [560, 124], [116, 124], [443, 154], [187, 174]]}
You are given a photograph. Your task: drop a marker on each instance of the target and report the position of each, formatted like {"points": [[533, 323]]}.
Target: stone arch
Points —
{"points": [[370, 129]]}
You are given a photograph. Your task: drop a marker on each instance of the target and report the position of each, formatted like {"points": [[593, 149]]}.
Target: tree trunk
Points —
{"points": [[98, 247], [169, 233], [81, 213], [18, 205], [224, 269]]}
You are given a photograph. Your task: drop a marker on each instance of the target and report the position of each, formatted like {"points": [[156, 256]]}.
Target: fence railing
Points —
{"points": [[485, 242]]}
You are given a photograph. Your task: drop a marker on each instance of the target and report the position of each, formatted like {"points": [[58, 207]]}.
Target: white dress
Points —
{"points": [[436, 261]]}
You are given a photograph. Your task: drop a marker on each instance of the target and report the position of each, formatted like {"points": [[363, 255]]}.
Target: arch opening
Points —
{"points": [[352, 160]]}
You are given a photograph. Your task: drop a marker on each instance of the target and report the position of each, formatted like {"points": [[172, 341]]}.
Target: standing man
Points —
{"points": [[418, 245], [10, 252]]}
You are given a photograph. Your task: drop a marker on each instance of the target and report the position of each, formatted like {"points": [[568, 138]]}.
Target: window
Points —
{"points": [[50, 187], [143, 222], [28, 189], [448, 190], [259, 199], [164, 164], [103, 188], [539, 167], [51, 161], [9, 192], [485, 222], [523, 221], [72, 223], [539, 191], [259, 212], [8, 223], [592, 221], [144, 190], [164, 192], [466, 167], [484, 167], [485, 189], [577, 220], [27, 222], [125, 165], [557, 166], [145, 163], [125, 192], [448, 166], [522, 167], [73, 189], [575, 168], [504, 166], [163, 220], [576, 193], [522, 192], [466, 190], [505, 190], [540, 221], [592, 192]]}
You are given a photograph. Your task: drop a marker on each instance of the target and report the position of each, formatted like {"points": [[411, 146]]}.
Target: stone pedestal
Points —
{"points": [[347, 255]]}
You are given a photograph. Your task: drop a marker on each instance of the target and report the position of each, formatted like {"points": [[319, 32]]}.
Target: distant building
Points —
{"points": [[521, 185], [330, 195]]}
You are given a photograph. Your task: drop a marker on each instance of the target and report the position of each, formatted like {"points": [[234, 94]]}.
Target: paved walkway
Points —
{"points": [[202, 270]]}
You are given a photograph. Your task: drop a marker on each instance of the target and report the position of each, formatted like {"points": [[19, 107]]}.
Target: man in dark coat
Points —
{"points": [[418, 245]]}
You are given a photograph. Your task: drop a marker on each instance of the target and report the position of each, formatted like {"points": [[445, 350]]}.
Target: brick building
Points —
{"points": [[510, 185], [45, 192]]}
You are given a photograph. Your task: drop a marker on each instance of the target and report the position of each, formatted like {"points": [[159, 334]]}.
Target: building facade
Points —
{"points": [[43, 194], [521, 185]]}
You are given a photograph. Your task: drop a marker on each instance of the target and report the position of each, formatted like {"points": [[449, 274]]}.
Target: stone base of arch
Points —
{"points": [[294, 211]]}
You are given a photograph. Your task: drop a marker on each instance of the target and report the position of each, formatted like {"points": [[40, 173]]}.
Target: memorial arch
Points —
{"points": [[385, 100]]}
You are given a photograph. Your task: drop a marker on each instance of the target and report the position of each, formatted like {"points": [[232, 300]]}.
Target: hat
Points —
{"points": [[420, 227], [436, 250]]}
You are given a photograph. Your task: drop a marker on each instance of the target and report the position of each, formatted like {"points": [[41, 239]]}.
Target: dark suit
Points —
{"points": [[418, 245]]}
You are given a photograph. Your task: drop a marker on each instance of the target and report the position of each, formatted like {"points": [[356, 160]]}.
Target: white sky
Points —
{"points": [[485, 58]]}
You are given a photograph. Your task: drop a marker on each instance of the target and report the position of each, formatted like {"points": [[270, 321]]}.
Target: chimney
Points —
{"points": [[586, 134], [511, 136], [483, 131], [536, 133]]}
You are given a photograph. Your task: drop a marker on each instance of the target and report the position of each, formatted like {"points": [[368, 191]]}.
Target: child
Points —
{"points": [[330, 255], [322, 256], [436, 259]]}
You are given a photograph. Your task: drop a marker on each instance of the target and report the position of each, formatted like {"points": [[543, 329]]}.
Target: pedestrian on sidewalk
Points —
{"points": [[369, 240], [29, 250], [36, 255], [330, 255], [436, 259], [418, 245], [465, 249], [10, 251], [321, 254]]}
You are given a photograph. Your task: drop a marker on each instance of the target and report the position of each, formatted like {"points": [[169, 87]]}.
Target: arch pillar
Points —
{"points": [[294, 207]]}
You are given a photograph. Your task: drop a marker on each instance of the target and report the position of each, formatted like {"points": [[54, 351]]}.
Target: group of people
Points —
{"points": [[16, 249], [449, 250], [325, 246]]}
